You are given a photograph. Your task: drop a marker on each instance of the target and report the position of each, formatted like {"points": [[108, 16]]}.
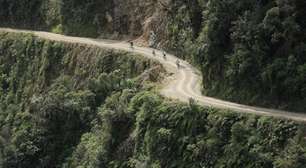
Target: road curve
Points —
{"points": [[183, 84]]}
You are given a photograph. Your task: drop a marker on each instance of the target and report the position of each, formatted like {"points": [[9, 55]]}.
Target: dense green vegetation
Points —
{"points": [[249, 51], [135, 130], [70, 105], [73, 17], [23, 13], [50, 93], [89, 16]]}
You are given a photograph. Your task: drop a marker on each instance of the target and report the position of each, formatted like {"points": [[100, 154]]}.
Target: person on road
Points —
{"points": [[153, 52], [164, 55], [132, 44], [178, 63]]}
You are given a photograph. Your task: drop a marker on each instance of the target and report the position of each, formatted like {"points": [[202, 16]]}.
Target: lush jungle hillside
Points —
{"points": [[65, 105], [50, 94], [78, 17], [149, 131], [71, 105], [250, 51]]}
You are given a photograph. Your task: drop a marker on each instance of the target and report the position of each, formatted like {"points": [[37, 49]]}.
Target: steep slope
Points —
{"points": [[50, 93], [107, 18], [149, 131], [59, 111], [250, 52], [183, 84]]}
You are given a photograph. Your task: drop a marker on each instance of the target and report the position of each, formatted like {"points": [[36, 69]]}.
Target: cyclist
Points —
{"points": [[178, 63], [164, 55], [153, 52]]}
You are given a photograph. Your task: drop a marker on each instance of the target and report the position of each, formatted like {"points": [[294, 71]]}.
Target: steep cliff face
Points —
{"points": [[50, 93], [72, 105], [143, 18], [136, 19], [129, 15], [234, 43], [252, 52]]}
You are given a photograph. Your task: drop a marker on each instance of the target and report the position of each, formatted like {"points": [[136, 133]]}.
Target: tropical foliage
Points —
{"points": [[144, 130], [50, 93], [249, 51]]}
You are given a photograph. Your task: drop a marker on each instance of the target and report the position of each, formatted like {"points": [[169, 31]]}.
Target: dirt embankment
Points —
{"points": [[138, 19]]}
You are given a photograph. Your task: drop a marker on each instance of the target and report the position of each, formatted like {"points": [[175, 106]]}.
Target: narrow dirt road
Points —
{"points": [[182, 85]]}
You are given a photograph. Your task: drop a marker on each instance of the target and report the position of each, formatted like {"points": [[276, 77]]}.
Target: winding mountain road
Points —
{"points": [[183, 84]]}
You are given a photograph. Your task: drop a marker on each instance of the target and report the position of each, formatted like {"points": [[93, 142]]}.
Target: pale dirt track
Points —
{"points": [[182, 85]]}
